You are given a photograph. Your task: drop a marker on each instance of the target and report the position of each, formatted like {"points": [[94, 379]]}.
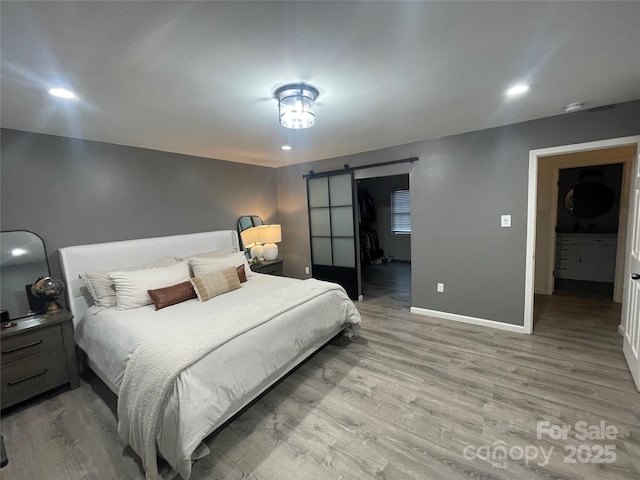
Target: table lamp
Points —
{"points": [[269, 235]]}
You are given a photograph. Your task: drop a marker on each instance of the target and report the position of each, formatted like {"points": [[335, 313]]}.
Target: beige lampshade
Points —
{"points": [[249, 237], [269, 233]]}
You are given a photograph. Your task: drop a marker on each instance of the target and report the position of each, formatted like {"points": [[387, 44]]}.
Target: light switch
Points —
{"points": [[505, 221]]}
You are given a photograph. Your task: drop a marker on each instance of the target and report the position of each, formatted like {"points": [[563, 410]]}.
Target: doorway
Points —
{"points": [[542, 211], [587, 226], [384, 221]]}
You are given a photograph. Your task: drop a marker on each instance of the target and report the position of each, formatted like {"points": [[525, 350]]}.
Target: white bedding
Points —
{"points": [[95, 330], [214, 388]]}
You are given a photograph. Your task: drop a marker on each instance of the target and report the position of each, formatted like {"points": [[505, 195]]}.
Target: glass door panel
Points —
{"points": [[342, 221], [343, 254], [318, 191], [320, 222], [321, 251], [340, 190]]}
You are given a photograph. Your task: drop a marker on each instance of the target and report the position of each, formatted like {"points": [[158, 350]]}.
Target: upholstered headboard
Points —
{"points": [[110, 256]]}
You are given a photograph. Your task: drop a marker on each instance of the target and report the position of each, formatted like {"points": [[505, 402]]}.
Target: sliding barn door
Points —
{"points": [[332, 229], [631, 301]]}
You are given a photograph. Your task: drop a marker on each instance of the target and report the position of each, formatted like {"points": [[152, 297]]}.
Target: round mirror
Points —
{"points": [[589, 200]]}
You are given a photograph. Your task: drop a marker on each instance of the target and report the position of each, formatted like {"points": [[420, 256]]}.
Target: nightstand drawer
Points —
{"points": [[31, 376], [28, 344]]}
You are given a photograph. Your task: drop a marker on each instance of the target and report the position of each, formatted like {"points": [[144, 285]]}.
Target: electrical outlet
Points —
{"points": [[505, 221], [306, 270], [441, 288]]}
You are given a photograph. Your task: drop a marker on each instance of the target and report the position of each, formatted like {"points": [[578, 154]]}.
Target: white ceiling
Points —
{"points": [[198, 77]]}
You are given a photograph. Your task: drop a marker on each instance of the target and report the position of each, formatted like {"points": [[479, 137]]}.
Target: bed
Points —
{"points": [[215, 357]]}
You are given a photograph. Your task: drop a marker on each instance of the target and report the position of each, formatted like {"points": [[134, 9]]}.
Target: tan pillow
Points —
{"points": [[215, 283], [101, 287], [165, 297]]}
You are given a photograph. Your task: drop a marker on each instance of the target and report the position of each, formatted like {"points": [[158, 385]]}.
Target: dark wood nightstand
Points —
{"points": [[38, 354], [274, 267]]}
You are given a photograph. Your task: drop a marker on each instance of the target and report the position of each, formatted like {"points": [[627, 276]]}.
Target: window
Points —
{"points": [[400, 212]]}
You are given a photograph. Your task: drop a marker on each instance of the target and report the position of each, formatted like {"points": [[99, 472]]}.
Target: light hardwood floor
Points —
{"points": [[403, 401]]}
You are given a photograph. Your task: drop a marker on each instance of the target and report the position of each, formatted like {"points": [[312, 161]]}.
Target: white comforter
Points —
{"points": [[209, 392]]}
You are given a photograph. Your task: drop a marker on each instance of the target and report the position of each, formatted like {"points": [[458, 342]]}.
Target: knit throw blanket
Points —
{"points": [[154, 367]]}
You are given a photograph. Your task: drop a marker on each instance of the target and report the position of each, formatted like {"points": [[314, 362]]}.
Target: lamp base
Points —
{"points": [[52, 308], [270, 252], [256, 251]]}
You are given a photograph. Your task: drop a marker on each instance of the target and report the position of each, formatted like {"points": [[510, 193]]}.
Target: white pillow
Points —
{"points": [[202, 266], [100, 286], [132, 287]]}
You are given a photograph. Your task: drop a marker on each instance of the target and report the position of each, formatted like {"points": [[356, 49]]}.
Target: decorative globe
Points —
{"points": [[48, 288]]}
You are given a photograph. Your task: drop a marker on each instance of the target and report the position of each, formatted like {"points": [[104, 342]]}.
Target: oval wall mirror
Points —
{"points": [[589, 200], [23, 260]]}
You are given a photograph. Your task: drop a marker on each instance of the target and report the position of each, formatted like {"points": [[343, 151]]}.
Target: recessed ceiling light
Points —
{"points": [[286, 147], [16, 252], [573, 107], [62, 93], [517, 89]]}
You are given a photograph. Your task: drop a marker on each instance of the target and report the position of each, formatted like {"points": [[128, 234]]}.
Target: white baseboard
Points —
{"points": [[621, 330], [541, 291], [472, 320]]}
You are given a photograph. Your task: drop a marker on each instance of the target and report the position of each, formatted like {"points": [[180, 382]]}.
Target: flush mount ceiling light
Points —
{"points": [[286, 147], [62, 93], [296, 104], [517, 89]]}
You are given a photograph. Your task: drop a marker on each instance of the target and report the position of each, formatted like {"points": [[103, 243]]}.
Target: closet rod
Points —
{"points": [[348, 169]]}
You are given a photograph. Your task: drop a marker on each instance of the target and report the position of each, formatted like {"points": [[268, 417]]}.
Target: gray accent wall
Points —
{"points": [[460, 187], [75, 192]]}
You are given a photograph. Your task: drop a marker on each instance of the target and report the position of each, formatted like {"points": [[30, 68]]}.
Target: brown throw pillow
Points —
{"points": [[242, 275], [215, 283], [165, 297]]}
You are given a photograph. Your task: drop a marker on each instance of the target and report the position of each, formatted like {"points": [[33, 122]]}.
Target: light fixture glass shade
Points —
{"points": [[296, 105]]}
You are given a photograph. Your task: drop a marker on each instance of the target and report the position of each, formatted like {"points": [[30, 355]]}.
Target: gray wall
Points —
{"points": [[380, 188], [459, 188], [74, 192]]}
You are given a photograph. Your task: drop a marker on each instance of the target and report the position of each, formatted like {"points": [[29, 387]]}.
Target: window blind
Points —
{"points": [[400, 211]]}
